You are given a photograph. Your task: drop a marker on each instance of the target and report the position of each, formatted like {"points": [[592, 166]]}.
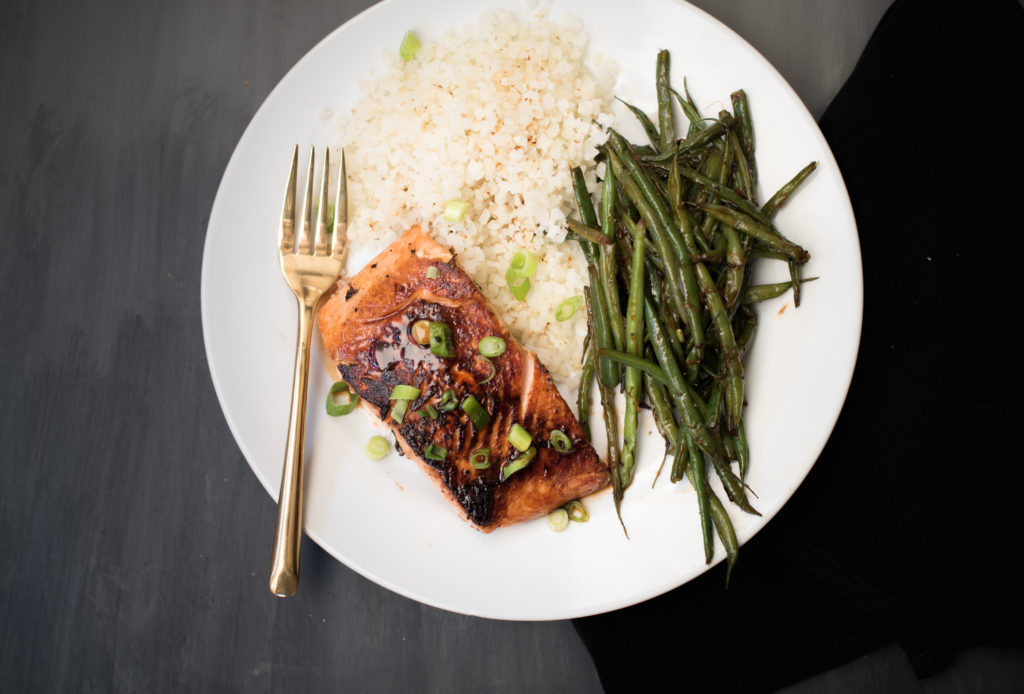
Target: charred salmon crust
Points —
{"points": [[366, 330]]}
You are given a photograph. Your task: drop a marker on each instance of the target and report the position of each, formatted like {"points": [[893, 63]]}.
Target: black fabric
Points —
{"points": [[908, 527]]}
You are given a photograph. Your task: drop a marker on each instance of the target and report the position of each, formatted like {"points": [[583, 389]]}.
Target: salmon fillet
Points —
{"points": [[365, 326]]}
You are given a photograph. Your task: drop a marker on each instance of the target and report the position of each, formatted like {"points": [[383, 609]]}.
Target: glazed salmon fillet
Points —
{"points": [[367, 331]]}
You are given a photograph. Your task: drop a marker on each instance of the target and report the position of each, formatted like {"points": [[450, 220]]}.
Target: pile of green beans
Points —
{"points": [[669, 249]]}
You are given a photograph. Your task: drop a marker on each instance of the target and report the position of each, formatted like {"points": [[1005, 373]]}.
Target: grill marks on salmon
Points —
{"points": [[365, 326]]}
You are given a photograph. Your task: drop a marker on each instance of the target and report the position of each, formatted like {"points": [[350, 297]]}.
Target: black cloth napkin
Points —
{"points": [[908, 527]]}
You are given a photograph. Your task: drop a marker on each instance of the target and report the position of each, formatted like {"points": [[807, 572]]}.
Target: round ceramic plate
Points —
{"points": [[384, 519]]}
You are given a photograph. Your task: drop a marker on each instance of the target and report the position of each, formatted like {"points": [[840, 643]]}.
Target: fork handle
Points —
{"points": [[284, 568]]}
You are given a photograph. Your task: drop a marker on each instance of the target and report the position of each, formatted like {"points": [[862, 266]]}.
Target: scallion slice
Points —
{"points": [[447, 403], [337, 409], [491, 346], [577, 511], [518, 464], [481, 459], [455, 210], [410, 44], [494, 372], [433, 272], [523, 264], [441, 343], [377, 447], [567, 309], [477, 414], [560, 441], [430, 411], [558, 520], [432, 452], [403, 392], [398, 411], [519, 437], [519, 286]]}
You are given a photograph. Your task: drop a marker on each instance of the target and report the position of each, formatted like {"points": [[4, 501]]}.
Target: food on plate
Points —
{"points": [[670, 288], [476, 410], [474, 138]]}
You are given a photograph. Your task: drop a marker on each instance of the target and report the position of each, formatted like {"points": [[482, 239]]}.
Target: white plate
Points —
{"points": [[384, 519]]}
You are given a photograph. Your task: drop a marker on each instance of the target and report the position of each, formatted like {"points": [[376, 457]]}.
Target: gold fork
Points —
{"points": [[310, 267]]}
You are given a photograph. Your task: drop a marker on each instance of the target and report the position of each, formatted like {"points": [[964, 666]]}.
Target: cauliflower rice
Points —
{"points": [[494, 114]]}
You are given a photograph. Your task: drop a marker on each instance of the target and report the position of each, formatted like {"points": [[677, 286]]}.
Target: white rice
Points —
{"points": [[495, 114]]}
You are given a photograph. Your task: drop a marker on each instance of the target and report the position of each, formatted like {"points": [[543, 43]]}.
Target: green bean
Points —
{"points": [[610, 420], [727, 193], [583, 398], [754, 228], [609, 285], [745, 336], [607, 374], [586, 210], [767, 253], [742, 452], [741, 109], [586, 233], [686, 451], [726, 533], [794, 276], [635, 362], [697, 472], [743, 174], [666, 122], [779, 199], [714, 405], [632, 381], [664, 418], [645, 123], [763, 292]]}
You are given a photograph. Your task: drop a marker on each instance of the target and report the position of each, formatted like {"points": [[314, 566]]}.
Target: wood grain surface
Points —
{"points": [[135, 540]]}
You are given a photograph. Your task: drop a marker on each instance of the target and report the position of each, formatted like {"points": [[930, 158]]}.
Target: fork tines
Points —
{"points": [[328, 241]]}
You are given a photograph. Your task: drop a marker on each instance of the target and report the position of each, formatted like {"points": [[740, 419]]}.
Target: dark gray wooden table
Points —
{"points": [[134, 540]]}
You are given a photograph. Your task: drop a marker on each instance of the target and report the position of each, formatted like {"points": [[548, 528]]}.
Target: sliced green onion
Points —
{"points": [[430, 411], [420, 332], [432, 452], [577, 511], [433, 273], [455, 210], [494, 372], [519, 437], [558, 520], [337, 409], [491, 346], [377, 447], [447, 403], [519, 286], [481, 459], [441, 340], [403, 392], [560, 441], [477, 414], [567, 309], [398, 411], [518, 464], [410, 44], [523, 264]]}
